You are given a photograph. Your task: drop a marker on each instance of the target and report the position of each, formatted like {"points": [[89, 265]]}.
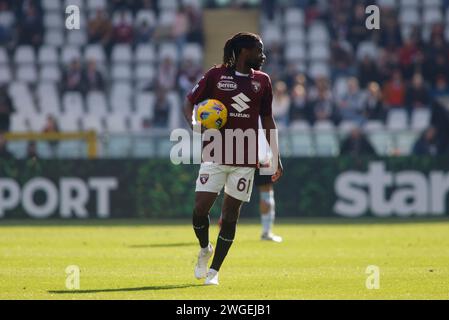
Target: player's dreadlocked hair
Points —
{"points": [[235, 44]]}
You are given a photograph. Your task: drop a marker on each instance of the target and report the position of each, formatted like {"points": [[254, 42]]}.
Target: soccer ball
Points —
{"points": [[212, 114]]}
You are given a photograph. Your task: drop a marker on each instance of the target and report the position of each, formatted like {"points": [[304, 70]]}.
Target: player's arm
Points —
{"points": [[271, 132], [199, 93]]}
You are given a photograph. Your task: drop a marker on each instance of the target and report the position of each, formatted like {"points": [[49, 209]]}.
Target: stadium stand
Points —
{"points": [[126, 71]]}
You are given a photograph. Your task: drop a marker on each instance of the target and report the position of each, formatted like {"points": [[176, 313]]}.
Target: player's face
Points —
{"points": [[256, 57]]}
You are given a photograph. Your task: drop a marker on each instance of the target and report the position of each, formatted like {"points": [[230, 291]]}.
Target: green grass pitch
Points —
{"points": [[319, 259]]}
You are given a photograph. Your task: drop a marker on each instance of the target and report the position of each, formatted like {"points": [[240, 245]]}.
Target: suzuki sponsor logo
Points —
{"points": [[240, 102], [227, 85], [239, 115], [385, 194]]}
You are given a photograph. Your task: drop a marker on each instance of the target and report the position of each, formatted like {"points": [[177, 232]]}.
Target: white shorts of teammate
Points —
{"points": [[237, 181]]}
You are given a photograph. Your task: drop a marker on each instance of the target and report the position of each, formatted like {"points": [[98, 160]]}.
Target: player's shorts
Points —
{"points": [[237, 181], [261, 180]]}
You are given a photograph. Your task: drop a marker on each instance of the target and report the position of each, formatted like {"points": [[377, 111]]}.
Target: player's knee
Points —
{"points": [[267, 199], [264, 207], [231, 211], [200, 210], [231, 214]]}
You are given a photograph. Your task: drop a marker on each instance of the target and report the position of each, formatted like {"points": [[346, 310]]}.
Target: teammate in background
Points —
{"points": [[266, 190], [247, 93], [266, 206]]}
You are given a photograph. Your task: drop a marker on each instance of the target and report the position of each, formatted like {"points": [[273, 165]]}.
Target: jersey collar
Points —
{"points": [[250, 75]]}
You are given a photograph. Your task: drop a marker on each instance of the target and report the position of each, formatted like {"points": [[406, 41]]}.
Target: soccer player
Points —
{"points": [[247, 94], [266, 191], [266, 206]]}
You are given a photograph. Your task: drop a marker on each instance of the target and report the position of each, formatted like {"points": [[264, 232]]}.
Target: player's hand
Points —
{"points": [[280, 170]]}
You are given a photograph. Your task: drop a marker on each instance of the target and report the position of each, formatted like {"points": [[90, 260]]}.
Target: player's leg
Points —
{"points": [[211, 179], [230, 215], [200, 221], [267, 212], [266, 205], [237, 190]]}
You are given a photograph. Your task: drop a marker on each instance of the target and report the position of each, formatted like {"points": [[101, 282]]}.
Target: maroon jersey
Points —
{"points": [[246, 98]]}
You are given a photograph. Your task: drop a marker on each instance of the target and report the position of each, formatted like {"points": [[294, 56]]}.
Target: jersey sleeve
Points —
{"points": [[201, 91], [267, 99]]}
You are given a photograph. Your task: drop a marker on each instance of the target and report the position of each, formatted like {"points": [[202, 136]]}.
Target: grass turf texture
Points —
{"points": [[319, 259]]}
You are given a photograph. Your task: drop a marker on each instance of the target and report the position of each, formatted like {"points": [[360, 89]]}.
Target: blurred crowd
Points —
{"points": [[406, 73], [21, 22], [125, 22]]}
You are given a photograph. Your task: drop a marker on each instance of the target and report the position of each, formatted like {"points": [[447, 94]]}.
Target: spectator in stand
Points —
{"points": [[436, 65], [321, 84], [51, 126], [368, 71], [357, 26], [4, 153], [356, 144], [374, 108], [188, 76], [275, 64], [31, 28], [417, 95], [407, 56], [350, 106], [167, 74], [342, 60], [195, 33], [6, 110], [427, 144], [93, 79], [440, 121], [72, 79], [32, 150], [300, 79], [437, 43], [144, 33], [299, 108], [7, 20], [149, 5], [321, 102], [388, 62], [441, 89], [438, 29], [100, 29], [281, 103], [390, 34], [292, 77], [180, 28], [161, 110], [123, 30], [394, 91], [338, 25], [312, 10]]}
